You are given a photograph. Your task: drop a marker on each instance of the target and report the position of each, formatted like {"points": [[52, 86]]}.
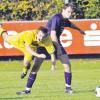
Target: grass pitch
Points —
{"points": [[48, 85]]}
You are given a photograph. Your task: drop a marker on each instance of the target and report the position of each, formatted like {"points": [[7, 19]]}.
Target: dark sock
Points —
{"points": [[28, 66], [68, 78], [31, 80]]}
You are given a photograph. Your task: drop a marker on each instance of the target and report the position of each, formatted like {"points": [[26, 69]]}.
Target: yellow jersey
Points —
{"points": [[29, 37]]}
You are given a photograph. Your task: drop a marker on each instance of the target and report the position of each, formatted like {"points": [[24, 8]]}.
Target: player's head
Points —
{"points": [[42, 33], [67, 10]]}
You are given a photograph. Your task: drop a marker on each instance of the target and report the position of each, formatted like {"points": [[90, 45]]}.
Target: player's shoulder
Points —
{"points": [[29, 31], [26, 31], [34, 31], [57, 16]]}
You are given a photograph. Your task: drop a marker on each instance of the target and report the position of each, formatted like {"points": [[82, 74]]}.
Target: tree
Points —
{"points": [[87, 8]]}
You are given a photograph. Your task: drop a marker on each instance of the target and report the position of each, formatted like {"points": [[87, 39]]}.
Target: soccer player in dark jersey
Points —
{"points": [[55, 26]]}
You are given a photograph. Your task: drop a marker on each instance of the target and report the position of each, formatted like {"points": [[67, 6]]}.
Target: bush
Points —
{"points": [[44, 9]]}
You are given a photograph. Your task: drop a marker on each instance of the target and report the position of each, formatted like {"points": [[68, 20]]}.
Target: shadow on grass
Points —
{"points": [[10, 87], [84, 91], [15, 98], [12, 98]]}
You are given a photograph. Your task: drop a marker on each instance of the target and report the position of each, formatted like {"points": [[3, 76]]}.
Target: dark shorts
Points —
{"points": [[38, 61], [63, 58]]}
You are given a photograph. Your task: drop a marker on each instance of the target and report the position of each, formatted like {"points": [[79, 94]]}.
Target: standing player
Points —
{"points": [[28, 42], [55, 26]]}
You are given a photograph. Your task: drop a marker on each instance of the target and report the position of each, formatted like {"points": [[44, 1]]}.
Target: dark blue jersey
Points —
{"points": [[57, 23]]}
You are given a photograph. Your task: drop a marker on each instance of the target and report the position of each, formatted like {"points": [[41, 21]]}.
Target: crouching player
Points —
{"points": [[28, 42]]}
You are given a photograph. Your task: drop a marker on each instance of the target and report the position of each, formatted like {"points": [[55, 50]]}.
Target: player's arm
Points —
{"points": [[29, 49], [51, 49], [55, 42], [53, 35], [77, 28]]}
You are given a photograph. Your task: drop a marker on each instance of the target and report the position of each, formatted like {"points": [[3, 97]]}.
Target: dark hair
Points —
{"points": [[43, 29], [68, 5]]}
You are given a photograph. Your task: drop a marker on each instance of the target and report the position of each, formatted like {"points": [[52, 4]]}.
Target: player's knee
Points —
{"points": [[27, 59], [26, 63], [67, 67]]}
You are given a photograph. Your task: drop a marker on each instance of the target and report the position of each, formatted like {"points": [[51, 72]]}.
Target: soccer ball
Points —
{"points": [[97, 91]]}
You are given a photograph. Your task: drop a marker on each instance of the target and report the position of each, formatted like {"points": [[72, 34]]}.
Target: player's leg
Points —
{"points": [[26, 67], [32, 76], [35, 68], [33, 73], [67, 70], [26, 63], [14, 41]]}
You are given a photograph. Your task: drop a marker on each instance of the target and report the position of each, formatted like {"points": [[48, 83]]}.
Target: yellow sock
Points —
{"points": [[25, 70]]}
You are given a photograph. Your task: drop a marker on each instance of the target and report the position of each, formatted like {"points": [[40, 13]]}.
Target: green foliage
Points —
{"points": [[88, 8], [44, 9], [92, 9]]}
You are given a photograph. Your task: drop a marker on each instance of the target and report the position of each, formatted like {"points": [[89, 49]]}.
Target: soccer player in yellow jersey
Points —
{"points": [[28, 42]]}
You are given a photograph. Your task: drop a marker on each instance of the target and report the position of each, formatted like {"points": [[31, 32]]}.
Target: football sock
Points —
{"points": [[68, 78], [31, 80], [25, 70], [28, 66], [28, 89]]}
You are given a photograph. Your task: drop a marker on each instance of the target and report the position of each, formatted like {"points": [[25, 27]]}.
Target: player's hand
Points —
{"points": [[42, 56], [81, 31]]}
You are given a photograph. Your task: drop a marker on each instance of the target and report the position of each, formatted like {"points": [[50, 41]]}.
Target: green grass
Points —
{"points": [[50, 86]]}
